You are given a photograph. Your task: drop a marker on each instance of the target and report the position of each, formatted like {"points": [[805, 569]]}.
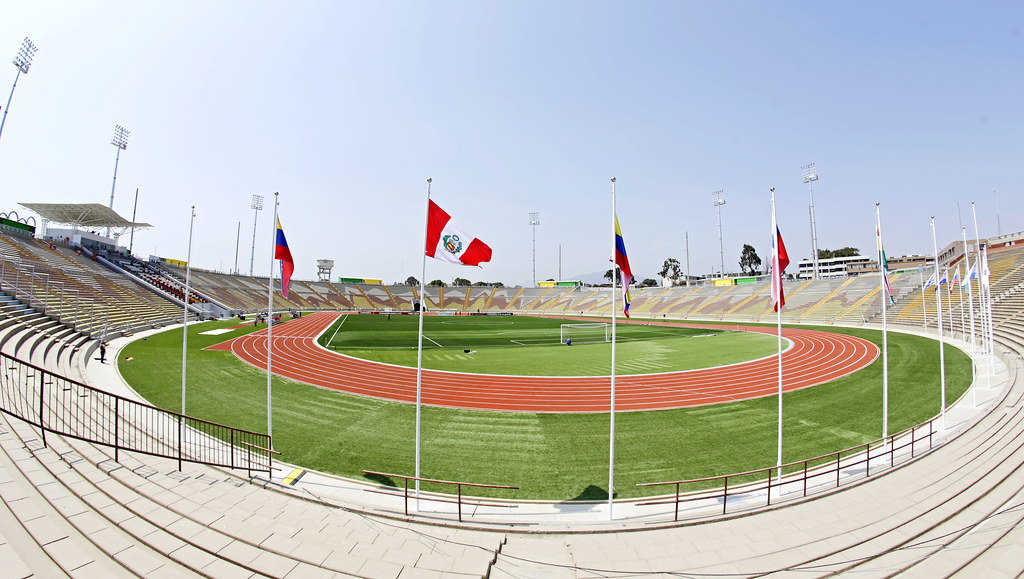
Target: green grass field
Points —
{"points": [[550, 456], [528, 345]]}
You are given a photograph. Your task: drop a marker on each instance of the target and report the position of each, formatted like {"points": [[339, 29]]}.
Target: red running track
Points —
{"points": [[814, 357]]}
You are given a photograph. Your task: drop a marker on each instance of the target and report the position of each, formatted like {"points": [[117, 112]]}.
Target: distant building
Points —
{"points": [[895, 264], [832, 267]]}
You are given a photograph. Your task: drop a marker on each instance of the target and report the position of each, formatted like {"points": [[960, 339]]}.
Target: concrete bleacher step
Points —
{"points": [[57, 527], [241, 525], [123, 527], [918, 516]]}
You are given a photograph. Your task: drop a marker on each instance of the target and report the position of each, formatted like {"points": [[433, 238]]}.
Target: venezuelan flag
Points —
{"points": [[284, 254], [623, 262]]}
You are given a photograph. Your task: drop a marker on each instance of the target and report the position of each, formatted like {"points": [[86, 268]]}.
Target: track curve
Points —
{"points": [[813, 358]]}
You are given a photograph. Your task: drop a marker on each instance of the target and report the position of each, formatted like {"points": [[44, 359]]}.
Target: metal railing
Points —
{"points": [[817, 469], [54, 403], [439, 499]]}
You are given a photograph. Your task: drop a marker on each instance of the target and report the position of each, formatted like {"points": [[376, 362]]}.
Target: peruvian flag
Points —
{"points": [[780, 259], [449, 242]]}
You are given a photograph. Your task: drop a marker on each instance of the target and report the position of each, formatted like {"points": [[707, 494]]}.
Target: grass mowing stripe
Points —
{"points": [[551, 456]]}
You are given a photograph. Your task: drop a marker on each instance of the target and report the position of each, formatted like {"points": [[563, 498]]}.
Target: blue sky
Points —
{"points": [[347, 108]]}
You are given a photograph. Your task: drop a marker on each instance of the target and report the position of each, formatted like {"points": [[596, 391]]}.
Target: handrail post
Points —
{"points": [[117, 438], [867, 460], [181, 438], [838, 457], [725, 494], [770, 477], [913, 440], [406, 495], [42, 425], [805, 478], [232, 448], [460, 501], [677, 502]]}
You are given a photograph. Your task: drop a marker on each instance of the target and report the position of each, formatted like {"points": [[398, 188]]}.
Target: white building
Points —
{"points": [[831, 267]]}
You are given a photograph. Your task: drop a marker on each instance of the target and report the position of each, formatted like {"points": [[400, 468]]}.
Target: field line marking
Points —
{"points": [[336, 331], [428, 337], [517, 342]]}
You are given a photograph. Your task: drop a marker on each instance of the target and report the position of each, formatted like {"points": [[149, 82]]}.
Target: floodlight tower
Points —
{"points": [[810, 176], [22, 61], [120, 141], [717, 200], [257, 204], [534, 222]]}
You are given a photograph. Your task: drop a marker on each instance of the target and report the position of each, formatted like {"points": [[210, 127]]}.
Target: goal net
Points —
{"points": [[586, 333]]}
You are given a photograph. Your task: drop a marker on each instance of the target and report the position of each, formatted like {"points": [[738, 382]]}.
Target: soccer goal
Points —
{"points": [[586, 333]]}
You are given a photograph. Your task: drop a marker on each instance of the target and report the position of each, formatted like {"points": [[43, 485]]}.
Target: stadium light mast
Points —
{"points": [[534, 222], [120, 141], [23, 60], [257, 204], [717, 200], [999, 226], [810, 176]]}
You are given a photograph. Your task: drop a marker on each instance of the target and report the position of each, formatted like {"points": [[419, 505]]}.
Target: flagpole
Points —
{"points": [[960, 293], [938, 308], [419, 337], [949, 306], [924, 304], [615, 305], [882, 265], [981, 289], [778, 333], [184, 327], [970, 309], [270, 319], [986, 284]]}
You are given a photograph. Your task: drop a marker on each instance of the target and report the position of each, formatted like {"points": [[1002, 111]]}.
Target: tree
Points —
{"points": [[649, 282], [618, 276], [461, 281], [411, 281], [842, 252], [437, 283], [749, 261], [497, 284], [480, 283], [671, 270]]}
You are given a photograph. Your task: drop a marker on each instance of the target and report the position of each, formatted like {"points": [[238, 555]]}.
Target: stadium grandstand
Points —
{"points": [[75, 505]]}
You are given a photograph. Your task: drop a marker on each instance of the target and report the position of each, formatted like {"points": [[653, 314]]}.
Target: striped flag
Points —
{"points": [[985, 272], [780, 259], [956, 279], [284, 254], [971, 274], [623, 262], [930, 282], [883, 266]]}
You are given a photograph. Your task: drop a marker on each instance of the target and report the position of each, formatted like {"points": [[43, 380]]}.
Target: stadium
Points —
{"points": [[104, 473], [166, 412]]}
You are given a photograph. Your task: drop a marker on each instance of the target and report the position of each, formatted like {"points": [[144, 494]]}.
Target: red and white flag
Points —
{"points": [[449, 242], [780, 259]]}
